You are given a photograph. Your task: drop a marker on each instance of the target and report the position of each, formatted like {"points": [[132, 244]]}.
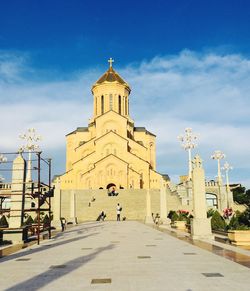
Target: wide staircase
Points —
{"points": [[90, 203]]}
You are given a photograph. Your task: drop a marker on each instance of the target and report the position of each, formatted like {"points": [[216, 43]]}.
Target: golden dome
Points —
{"points": [[111, 76]]}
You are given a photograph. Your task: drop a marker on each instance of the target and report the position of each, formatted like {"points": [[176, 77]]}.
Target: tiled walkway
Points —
{"points": [[120, 256]]}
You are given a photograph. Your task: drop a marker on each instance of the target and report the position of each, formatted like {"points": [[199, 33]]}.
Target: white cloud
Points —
{"points": [[207, 92]]}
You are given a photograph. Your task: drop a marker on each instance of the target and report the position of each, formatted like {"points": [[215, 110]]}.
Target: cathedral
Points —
{"points": [[111, 151], [113, 156]]}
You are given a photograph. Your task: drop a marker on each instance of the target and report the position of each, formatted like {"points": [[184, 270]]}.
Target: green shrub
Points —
{"points": [[171, 213], [180, 215], [210, 212], [189, 218], [242, 227], [218, 222], [3, 222], [46, 220], [244, 217], [240, 220], [174, 217], [233, 223], [29, 220]]}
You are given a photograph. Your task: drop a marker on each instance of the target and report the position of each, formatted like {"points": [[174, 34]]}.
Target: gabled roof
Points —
{"points": [[111, 111], [79, 129], [143, 129], [108, 157], [108, 133]]}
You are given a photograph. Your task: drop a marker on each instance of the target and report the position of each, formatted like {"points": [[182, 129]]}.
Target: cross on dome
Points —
{"points": [[110, 62]]}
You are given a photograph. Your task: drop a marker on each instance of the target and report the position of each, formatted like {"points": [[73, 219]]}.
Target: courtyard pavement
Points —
{"points": [[124, 256]]}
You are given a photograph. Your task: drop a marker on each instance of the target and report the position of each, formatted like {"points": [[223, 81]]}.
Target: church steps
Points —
{"points": [[133, 202]]}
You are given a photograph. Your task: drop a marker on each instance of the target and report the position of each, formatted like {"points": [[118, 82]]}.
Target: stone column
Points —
{"points": [[189, 192], [230, 199], [17, 201], [163, 203], [56, 204], [200, 224], [72, 207], [17, 191], [149, 218], [222, 198]]}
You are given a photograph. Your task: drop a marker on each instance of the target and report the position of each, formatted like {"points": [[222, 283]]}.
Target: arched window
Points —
{"points": [[102, 104], [212, 200], [126, 111], [119, 104], [110, 101]]}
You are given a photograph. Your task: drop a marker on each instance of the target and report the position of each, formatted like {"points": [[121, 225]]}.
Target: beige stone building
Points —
{"points": [[112, 153], [111, 150]]}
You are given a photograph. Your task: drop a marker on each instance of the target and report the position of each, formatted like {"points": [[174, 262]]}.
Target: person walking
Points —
{"points": [[63, 223], [118, 212], [103, 215]]}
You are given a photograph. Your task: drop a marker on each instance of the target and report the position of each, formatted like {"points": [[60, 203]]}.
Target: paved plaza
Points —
{"points": [[120, 256]]}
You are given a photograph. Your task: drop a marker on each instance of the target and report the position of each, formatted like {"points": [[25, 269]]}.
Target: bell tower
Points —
{"points": [[110, 92]]}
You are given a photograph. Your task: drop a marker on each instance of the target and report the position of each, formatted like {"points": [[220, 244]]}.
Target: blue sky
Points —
{"points": [[188, 63]]}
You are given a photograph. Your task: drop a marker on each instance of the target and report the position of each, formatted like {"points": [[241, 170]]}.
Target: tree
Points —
{"points": [[244, 217], [217, 221], [248, 197], [241, 196]]}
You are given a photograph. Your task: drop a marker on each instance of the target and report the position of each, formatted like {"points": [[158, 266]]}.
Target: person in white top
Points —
{"points": [[118, 212]]}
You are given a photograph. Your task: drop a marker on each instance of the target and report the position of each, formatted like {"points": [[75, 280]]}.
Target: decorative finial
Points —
{"points": [[110, 62], [197, 162]]}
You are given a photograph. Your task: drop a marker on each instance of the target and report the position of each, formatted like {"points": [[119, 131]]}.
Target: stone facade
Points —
{"points": [[112, 153], [111, 150]]}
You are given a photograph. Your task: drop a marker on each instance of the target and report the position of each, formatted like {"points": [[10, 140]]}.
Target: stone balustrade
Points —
{"points": [[211, 184], [5, 186]]}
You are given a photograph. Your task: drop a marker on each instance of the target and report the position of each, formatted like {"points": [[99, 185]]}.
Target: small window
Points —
{"points": [[119, 104], [126, 113], [110, 101], [102, 104]]}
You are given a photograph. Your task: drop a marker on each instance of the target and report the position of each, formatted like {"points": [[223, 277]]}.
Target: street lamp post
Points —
{"points": [[31, 138], [188, 141], [3, 159], [218, 155], [226, 167]]}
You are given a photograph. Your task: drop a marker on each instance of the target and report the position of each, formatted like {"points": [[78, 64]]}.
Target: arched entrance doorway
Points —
{"points": [[110, 185]]}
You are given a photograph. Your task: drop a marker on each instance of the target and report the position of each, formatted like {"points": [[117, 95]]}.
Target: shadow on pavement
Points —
{"points": [[43, 248], [14, 248], [50, 275]]}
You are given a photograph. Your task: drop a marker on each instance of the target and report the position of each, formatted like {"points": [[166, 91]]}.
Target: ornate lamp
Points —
{"points": [[218, 155], [188, 142], [3, 159], [31, 138], [226, 167]]}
